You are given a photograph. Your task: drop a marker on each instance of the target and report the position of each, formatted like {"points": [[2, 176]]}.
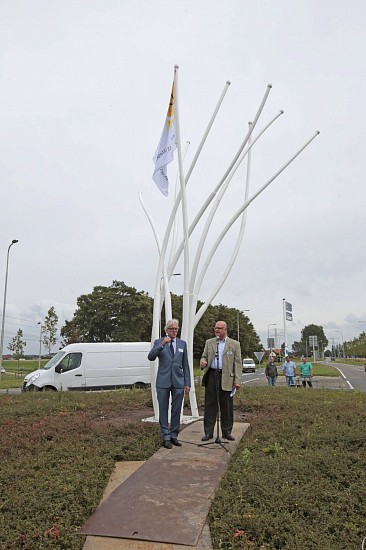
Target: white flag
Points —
{"points": [[167, 145]]}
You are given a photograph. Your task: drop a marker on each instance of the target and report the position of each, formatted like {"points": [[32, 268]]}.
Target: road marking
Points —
{"points": [[345, 378], [252, 380]]}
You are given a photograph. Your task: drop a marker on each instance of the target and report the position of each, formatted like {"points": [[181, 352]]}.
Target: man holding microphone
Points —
{"points": [[173, 379], [221, 360]]}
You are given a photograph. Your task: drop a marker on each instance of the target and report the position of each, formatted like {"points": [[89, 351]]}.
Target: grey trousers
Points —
{"points": [[163, 395]]}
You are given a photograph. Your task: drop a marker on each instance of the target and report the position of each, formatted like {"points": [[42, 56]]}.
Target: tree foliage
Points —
{"points": [[120, 313], [17, 345], [303, 347], [117, 313], [357, 346], [49, 329]]}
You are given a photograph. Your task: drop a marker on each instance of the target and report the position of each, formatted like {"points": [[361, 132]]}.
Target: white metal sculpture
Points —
{"points": [[193, 277]]}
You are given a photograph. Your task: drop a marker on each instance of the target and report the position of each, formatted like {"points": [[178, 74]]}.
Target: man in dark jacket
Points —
{"points": [[271, 371]]}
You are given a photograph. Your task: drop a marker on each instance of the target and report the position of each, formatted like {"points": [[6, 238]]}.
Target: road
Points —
{"points": [[352, 377]]}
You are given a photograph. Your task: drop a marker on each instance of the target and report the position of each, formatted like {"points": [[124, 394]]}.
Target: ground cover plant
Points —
{"points": [[297, 479], [57, 452]]}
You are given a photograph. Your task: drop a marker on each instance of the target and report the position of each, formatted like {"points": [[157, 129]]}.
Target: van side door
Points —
{"points": [[70, 372]]}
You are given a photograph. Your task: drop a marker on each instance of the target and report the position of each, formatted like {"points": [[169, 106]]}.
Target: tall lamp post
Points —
{"points": [[40, 345], [270, 325], [4, 305], [238, 323], [341, 333]]}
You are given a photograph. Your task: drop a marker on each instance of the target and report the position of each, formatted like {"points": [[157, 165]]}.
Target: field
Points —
{"points": [[296, 481]]}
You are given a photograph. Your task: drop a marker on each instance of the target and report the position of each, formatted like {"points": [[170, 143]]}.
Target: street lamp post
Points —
{"points": [[341, 333], [237, 321], [4, 305], [270, 347], [40, 345]]}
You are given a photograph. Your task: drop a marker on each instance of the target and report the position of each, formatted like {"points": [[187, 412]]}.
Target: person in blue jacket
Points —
{"points": [[289, 370], [173, 379]]}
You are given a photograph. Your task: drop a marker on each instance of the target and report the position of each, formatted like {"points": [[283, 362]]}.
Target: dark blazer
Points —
{"points": [[172, 371]]}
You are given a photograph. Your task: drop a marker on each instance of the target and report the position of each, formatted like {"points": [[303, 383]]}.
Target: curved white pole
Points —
{"points": [[242, 208], [233, 166], [238, 244]]}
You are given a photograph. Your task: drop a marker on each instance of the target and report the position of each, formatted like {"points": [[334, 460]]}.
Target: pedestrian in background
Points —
{"points": [[289, 370], [271, 371], [306, 370]]}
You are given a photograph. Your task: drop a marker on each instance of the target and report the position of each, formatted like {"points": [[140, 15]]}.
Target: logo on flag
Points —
{"points": [[288, 316], [286, 352], [288, 306], [164, 152]]}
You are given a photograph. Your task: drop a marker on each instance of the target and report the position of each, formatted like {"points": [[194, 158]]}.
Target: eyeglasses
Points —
{"points": [[220, 328], [172, 328]]}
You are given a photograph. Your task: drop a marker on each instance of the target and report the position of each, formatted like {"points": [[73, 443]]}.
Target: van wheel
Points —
{"points": [[49, 388]]}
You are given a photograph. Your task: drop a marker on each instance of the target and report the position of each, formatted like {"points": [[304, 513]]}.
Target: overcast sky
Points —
{"points": [[85, 87]]}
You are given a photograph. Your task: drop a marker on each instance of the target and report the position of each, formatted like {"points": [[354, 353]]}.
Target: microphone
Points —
{"points": [[217, 347]]}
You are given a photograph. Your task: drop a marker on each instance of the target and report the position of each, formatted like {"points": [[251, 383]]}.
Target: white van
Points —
{"points": [[93, 367]]}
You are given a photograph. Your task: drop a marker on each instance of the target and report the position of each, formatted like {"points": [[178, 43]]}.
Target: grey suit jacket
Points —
{"points": [[231, 362], [172, 371]]}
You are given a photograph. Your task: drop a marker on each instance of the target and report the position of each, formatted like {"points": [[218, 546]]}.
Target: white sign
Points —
{"points": [[259, 355]]}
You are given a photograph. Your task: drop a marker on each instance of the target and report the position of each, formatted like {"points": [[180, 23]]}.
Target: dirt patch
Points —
{"points": [[135, 416]]}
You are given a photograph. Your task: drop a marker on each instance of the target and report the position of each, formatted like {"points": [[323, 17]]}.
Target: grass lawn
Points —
{"points": [[297, 479]]}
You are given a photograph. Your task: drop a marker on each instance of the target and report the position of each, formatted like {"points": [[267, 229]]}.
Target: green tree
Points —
{"points": [[357, 346], [49, 329], [71, 333], [17, 346], [117, 313], [303, 347], [120, 313]]}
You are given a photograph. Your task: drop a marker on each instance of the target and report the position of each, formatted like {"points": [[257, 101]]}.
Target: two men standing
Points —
{"points": [[221, 360]]}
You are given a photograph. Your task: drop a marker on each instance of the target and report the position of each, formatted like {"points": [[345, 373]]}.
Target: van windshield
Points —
{"points": [[55, 359]]}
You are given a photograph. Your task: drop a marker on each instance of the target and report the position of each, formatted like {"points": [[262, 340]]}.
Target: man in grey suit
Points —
{"points": [[173, 379], [221, 360]]}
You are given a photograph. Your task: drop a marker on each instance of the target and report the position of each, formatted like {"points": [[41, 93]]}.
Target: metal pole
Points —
{"points": [[40, 346], [161, 280], [270, 349], [4, 306], [341, 333]]}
